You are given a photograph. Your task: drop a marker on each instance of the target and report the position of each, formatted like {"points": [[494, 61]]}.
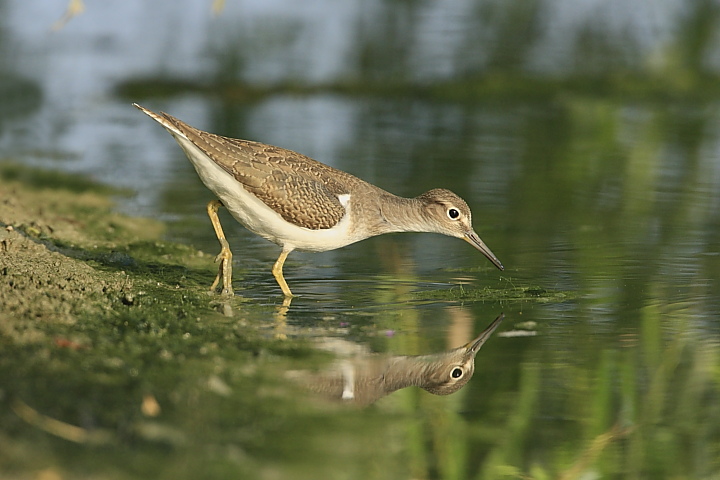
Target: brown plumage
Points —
{"points": [[302, 190]]}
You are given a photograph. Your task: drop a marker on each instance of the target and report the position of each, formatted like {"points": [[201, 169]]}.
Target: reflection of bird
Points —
{"points": [[299, 203], [365, 379]]}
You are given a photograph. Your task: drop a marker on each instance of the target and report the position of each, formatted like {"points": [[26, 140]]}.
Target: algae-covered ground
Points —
{"points": [[117, 363]]}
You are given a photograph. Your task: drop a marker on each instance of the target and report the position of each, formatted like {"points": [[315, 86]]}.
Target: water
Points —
{"points": [[605, 187]]}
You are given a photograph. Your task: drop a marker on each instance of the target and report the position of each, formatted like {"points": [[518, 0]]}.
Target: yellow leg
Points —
{"points": [[225, 255], [278, 273]]}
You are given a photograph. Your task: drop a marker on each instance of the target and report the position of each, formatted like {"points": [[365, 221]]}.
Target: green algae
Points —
{"points": [[489, 294]]}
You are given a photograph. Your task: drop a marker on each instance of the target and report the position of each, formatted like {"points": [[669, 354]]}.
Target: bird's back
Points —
{"points": [[303, 191]]}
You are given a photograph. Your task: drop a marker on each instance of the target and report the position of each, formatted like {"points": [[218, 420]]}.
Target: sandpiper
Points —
{"points": [[302, 204]]}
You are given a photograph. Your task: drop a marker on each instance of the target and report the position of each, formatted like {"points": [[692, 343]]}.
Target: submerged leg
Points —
{"points": [[225, 255], [278, 273]]}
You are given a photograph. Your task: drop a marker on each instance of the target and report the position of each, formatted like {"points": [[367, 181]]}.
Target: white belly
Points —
{"points": [[257, 217]]}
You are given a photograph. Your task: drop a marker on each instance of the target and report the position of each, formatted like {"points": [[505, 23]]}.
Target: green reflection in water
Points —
{"points": [[645, 407]]}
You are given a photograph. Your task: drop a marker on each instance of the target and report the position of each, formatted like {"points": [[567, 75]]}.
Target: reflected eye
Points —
{"points": [[453, 213], [457, 372]]}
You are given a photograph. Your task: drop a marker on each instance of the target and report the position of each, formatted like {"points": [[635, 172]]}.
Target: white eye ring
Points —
{"points": [[457, 372], [453, 213]]}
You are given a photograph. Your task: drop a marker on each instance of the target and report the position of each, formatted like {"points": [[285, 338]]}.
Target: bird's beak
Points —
{"points": [[475, 345], [473, 239]]}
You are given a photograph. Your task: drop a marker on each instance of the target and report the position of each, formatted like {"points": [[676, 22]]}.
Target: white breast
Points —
{"points": [[257, 217]]}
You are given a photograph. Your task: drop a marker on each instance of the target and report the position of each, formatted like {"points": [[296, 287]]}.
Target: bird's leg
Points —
{"points": [[225, 255], [277, 272]]}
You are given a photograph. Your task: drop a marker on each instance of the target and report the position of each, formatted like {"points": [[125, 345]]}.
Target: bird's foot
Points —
{"points": [[224, 272]]}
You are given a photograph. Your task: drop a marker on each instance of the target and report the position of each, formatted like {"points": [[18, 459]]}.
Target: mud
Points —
{"points": [[41, 229]]}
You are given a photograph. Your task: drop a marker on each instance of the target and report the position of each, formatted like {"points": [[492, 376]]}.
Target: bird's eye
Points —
{"points": [[457, 372], [453, 213]]}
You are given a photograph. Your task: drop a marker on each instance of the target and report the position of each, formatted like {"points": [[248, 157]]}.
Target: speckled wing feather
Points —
{"points": [[297, 187]]}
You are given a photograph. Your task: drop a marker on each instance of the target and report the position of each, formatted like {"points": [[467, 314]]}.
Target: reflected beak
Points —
{"points": [[473, 239], [475, 345]]}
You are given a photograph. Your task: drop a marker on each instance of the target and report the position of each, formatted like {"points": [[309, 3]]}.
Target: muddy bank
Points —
{"points": [[62, 250]]}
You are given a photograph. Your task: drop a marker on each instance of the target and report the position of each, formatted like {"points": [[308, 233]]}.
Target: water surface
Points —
{"points": [[588, 151]]}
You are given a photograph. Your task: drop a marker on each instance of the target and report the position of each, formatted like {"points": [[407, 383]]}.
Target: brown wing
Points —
{"points": [[302, 190]]}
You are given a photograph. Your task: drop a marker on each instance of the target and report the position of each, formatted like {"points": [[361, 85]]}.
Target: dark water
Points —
{"points": [[593, 173]]}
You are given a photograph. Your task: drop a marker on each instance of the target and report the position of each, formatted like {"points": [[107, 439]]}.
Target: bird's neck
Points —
{"points": [[404, 372], [402, 215]]}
